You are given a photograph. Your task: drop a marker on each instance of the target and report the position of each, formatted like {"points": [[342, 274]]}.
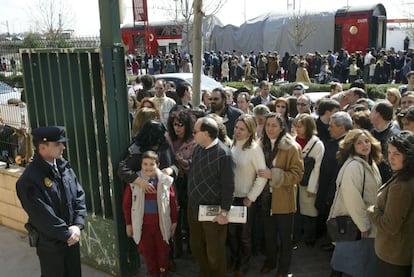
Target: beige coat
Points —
{"points": [[307, 203], [302, 75], [287, 171], [349, 184]]}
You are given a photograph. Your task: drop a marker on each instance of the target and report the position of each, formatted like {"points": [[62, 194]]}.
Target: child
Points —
{"points": [[151, 214]]}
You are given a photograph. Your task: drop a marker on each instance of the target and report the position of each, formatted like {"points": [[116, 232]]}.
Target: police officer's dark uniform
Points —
{"points": [[54, 201]]}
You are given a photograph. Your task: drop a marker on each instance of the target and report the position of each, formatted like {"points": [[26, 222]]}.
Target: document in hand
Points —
{"points": [[237, 214]]}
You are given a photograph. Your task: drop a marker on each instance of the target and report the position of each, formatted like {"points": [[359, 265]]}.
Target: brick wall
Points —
{"points": [[11, 212]]}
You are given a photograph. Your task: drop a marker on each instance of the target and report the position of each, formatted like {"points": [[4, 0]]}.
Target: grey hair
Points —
{"points": [[342, 119]]}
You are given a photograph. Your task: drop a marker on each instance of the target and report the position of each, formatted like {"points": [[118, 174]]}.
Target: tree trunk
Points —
{"points": [[198, 17]]}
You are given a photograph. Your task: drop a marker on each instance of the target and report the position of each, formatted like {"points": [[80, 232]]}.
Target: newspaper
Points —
{"points": [[237, 214]]}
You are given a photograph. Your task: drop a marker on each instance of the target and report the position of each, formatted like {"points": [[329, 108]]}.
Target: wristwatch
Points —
{"points": [[223, 213]]}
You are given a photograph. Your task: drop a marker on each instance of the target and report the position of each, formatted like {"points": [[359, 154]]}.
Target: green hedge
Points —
{"points": [[14, 81], [374, 91]]}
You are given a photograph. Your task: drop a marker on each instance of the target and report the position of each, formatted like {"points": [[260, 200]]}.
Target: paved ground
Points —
{"points": [[20, 260]]}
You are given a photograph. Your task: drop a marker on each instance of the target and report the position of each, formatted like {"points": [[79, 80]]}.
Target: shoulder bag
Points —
{"points": [[343, 228], [308, 164]]}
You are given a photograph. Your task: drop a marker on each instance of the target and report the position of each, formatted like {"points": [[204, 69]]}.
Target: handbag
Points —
{"points": [[343, 228], [308, 164]]}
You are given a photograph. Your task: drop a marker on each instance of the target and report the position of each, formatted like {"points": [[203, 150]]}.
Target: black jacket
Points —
{"points": [[53, 202], [258, 99]]}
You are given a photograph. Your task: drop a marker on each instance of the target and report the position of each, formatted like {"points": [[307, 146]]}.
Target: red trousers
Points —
{"points": [[154, 250]]}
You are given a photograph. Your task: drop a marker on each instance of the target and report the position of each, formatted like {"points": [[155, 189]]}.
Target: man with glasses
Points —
{"points": [[264, 97], [219, 106], [210, 182], [163, 103], [304, 104]]}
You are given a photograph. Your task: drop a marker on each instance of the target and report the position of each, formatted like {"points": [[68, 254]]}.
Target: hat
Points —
{"points": [[49, 133], [408, 113], [300, 86]]}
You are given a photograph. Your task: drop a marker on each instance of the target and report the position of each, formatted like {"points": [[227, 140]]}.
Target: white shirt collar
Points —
{"points": [[213, 143]]}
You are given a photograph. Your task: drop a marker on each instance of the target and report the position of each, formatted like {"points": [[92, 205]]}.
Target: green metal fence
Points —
{"points": [[77, 89]]}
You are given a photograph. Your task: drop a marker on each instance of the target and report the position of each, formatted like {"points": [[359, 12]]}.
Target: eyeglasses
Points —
{"points": [[280, 106], [301, 104], [178, 124], [213, 98]]}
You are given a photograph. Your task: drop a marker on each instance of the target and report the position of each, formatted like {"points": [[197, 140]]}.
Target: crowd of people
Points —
{"points": [[376, 67], [293, 163]]}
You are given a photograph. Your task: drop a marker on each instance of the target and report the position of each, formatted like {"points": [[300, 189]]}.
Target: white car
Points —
{"points": [[207, 83], [7, 92]]}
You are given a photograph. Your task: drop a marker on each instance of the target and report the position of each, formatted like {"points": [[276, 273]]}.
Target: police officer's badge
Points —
{"points": [[48, 182]]}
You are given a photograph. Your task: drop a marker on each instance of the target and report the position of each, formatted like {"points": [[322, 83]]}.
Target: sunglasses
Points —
{"points": [[301, 104], [280, 106], [178, 124], [213, 98]]}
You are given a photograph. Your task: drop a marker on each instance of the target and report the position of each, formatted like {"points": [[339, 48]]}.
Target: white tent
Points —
{"points": [[270, 32]]}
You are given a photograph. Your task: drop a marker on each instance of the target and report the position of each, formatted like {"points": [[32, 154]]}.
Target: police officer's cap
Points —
{"points": [[49, 133]]}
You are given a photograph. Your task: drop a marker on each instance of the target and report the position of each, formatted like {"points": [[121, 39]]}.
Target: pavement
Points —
{"points": [[19, 260]]}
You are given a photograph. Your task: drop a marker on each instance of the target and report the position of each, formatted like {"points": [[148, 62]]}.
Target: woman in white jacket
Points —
{"points": [[249, 159], [313, 147], [357, 183]]}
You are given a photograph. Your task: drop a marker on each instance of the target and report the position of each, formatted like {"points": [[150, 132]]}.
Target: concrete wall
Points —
{"points": [[11, 212]]}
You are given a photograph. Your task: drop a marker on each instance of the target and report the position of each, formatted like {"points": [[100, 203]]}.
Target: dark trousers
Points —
{"points": [[181, 232], [208, 245], [58, 259], [278, 229], [309, 228], [385, 269], [239, 238]]}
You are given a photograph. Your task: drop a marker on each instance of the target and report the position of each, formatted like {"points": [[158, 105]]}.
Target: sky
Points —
{"points": [[16, 15]]}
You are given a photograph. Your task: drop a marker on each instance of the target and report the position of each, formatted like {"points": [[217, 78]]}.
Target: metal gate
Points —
{"points": [[67, 87]]}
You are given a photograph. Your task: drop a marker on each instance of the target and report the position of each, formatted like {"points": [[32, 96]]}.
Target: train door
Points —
{"points": [[338, 37]]}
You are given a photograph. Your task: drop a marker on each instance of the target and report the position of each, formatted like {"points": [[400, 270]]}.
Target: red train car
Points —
{"points": [[358, 28], [161, 37]]}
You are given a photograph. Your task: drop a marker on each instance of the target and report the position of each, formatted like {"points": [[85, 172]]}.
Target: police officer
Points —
{"points": [[55, 202]]}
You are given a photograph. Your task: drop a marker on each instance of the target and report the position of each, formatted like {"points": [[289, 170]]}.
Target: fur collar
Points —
{"points": [[286, 142]]}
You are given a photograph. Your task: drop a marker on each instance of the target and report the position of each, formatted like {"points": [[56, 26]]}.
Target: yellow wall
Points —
{"points": [[11, 212]]}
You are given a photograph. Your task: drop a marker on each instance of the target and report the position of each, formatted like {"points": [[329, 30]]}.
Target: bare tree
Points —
{"points": [[51, 18], [300, 28], [182, 12]]}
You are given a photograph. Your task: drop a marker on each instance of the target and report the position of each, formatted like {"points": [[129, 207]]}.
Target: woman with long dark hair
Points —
{"points": [[180, 135], [152, 137], [393, 213], [284, 170]]}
